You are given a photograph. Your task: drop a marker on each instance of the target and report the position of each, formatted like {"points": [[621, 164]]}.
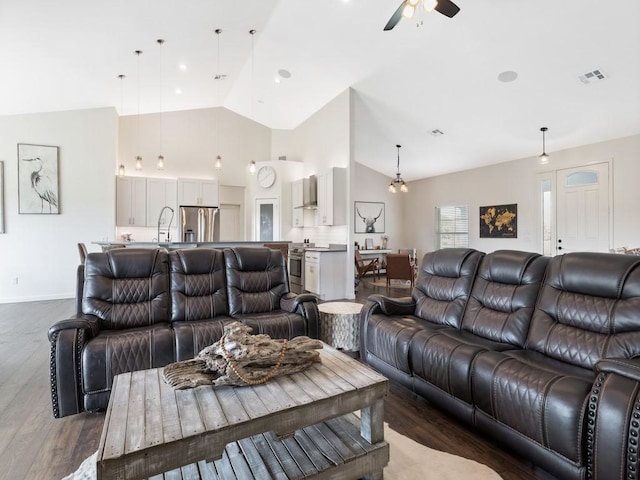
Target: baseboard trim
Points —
{"points": [[38, 298]]}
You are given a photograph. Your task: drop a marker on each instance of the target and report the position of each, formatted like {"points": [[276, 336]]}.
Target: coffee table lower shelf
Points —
{"points": [[319, 451]]}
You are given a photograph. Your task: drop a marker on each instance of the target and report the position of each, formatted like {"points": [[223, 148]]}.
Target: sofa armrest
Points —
{"points": [[291, 301], [629, 368], [394, 306], [84, 322]]}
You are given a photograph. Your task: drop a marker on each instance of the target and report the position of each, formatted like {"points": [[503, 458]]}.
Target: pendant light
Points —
{"points": [[218, 77], [121, 77], [544, 157], [252, 32], [160, 162], [398, 181], [138, 157]]}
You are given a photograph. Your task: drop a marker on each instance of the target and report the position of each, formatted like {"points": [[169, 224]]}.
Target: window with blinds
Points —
{"points": [[452, 229]]}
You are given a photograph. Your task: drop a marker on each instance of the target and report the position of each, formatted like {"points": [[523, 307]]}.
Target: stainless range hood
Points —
{"points": [[310, 192]]}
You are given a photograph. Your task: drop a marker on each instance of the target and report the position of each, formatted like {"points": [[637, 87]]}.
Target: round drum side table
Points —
{"points": [[340, 325]]}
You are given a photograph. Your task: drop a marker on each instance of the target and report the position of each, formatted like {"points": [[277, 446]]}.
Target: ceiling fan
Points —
{"points": [[408, 7]]}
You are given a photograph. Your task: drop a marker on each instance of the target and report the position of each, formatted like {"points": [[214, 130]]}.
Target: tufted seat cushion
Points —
{"points": [[198, 299], [439, 297], [257, 280], [496, 318]]}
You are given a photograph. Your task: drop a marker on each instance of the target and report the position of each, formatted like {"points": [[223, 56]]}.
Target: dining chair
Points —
{"points": [[365, 266], [82, 250], [399, 267]]}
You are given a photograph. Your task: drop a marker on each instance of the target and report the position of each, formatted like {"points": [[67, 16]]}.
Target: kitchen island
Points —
{"points": [[180, 245]]}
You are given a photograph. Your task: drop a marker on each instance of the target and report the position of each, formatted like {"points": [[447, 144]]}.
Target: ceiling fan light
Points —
{"points": [[408, 11], [429, 5]]}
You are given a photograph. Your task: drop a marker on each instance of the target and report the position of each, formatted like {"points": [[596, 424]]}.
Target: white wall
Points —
{"points": [[190, 144], [40, 250], [372, 186], [516, 182]]}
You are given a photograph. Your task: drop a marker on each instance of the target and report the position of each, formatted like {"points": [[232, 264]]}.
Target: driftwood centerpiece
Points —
{"points": [[240, 358]]}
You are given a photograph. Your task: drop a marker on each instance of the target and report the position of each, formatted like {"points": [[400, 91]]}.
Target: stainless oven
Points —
{"points": [[296, 269]]}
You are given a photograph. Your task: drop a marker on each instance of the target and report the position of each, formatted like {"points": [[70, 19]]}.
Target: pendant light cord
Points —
{"points": [[160, 42]]}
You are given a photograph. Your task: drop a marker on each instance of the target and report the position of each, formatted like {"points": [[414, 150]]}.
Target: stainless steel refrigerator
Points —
{"points": [[199, 224]]}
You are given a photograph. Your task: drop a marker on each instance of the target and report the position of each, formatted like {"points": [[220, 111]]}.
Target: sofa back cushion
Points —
{"points": [[504, 295], [198, 284], [444, 283], [588, 309], [256, 279], [127, 287]]}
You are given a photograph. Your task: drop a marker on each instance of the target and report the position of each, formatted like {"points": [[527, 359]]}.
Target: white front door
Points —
{"points": [[582, 209]]}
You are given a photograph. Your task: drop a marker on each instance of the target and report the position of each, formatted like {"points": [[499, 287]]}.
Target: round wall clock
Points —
{"points": [[266, 176]]}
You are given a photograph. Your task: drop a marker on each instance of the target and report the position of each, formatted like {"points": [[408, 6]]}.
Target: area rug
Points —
{"points": [[393, 283], [408, 460]]}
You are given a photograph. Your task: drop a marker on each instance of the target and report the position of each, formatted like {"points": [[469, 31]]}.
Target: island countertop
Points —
{"points": [[179, 245]]}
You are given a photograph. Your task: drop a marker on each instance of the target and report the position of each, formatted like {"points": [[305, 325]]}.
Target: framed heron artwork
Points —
{"points": [[38, 179]]}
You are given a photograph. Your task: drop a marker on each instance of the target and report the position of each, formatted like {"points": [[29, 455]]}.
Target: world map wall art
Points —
{"points": [[499, 221]]}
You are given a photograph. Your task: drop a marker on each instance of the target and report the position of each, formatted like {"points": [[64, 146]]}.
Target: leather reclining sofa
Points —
{"points": [[145, 308], [542, 354]]}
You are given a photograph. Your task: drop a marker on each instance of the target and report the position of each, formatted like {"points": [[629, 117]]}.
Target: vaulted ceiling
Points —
{"points": [[429, 73]]}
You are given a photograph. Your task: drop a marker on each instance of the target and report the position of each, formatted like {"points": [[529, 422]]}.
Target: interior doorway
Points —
{"points": [[231, 222], [575, 209], [267, 220]]}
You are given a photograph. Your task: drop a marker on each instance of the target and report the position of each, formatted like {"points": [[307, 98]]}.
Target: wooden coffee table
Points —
{"points": [[293, 426]]}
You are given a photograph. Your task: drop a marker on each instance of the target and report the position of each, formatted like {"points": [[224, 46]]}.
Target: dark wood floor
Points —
{"points": [[34, 445]]}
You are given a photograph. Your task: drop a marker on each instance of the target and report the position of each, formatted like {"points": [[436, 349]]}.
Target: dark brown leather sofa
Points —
{"points": [[145, 308], [542, 354]]}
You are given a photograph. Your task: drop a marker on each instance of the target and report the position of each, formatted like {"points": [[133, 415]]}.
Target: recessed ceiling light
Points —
{"points": [[182, 67], [284, 73], [178, 91], [507, 76]]}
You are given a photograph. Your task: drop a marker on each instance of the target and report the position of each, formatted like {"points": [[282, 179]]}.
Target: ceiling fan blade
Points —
{"points": [[447, 8], [395, 18]]}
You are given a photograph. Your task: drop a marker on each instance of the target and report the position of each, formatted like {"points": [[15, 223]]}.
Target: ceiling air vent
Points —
{"points": [[220, 76], [593, 76], [436, 132]]}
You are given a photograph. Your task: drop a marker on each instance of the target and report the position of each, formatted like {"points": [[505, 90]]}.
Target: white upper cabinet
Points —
{"points": [[131, 201], [161, 192], [198, 192], [332, 195]]}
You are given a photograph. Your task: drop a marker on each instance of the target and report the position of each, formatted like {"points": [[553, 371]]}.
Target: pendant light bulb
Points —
{"points": [[408, 10], [218, 78], [252, 167], [543, 158], [138, 157], [121, 170], [160, 162], [218, 164]]}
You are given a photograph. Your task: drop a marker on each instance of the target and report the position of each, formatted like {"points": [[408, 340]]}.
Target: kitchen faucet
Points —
{"points": [[168, 227]]}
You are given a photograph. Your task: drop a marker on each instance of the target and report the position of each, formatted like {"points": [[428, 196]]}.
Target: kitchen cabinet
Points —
{"points": [[161, 192], [297, 212], [324, 273], [131, 201], [332, 197], [198, 192]]}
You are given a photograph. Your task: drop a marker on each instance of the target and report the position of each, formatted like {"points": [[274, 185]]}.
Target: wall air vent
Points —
{"points": [[593, 76]]}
